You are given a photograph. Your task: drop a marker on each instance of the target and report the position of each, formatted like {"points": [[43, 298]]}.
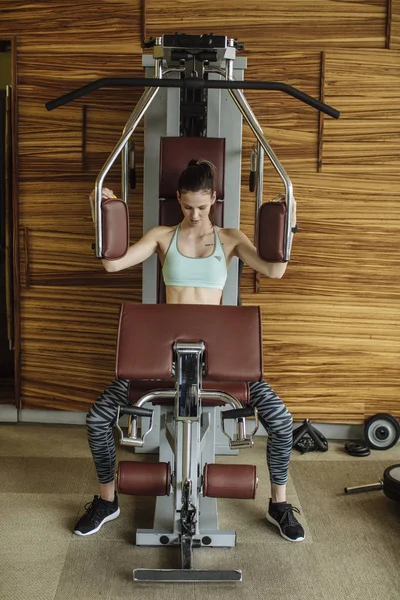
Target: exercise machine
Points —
{"points": [[214, 350]]}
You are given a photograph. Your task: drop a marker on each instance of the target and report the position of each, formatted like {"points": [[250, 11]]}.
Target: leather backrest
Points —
{"points": [[176, 152]]}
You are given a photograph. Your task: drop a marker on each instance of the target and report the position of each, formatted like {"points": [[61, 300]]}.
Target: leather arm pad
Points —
{"points": [[115, 228], [270, 238]]}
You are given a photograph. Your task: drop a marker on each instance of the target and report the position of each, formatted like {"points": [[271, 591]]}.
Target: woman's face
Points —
{"points": [[196, 206]]}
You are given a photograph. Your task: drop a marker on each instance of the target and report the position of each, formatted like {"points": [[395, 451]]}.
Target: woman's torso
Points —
{"points": [[185, 247]]}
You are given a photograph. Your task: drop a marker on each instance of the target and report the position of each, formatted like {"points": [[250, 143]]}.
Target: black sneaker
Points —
{"points": [[97, 513], [281, 515]]}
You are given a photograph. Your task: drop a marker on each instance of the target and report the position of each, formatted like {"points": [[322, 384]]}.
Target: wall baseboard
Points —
{"points": [[9, 414]]}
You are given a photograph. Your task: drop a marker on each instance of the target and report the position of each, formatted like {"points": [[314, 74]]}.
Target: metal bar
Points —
{"points": [[143, 100], [369, 487], [134, 119], [8, 241], [223, 395], [186, 451], [244, 107], [193, 83], [159, 72], [260, 176], [186, 551], [124, 172]]}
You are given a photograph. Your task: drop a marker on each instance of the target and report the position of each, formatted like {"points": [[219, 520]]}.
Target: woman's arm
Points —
{"points": [[136, 254], [247, 252]]}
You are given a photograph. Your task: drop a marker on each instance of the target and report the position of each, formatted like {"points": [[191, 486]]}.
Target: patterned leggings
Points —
{"points": [[273, 415]]}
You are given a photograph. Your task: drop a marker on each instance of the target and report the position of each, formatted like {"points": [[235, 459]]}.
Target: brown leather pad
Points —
{"points": [[271, 227], [230, 481], [115, 228], [144, 479], [147, 332]]}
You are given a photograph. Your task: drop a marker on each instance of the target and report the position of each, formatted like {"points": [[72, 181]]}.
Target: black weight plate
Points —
{"points": [[381, 431], [355, 449]]}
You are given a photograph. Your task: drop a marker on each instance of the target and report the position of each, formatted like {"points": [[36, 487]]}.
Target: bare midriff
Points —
{"points": [[192, 295]]}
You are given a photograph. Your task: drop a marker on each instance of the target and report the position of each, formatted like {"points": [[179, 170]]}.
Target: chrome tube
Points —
{"points": [[231, 400], [143, 100], [124, 172], [8, 238], [244, 107], [260, 175], [136, 116], [186, 450], [369, 487], [168, 393], [259, 160], [125, 150]]}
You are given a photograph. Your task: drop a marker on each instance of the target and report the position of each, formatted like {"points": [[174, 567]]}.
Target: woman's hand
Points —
{"points": [[106, 194]]}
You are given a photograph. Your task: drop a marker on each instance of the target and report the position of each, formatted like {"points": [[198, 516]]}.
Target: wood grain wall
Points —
{"points": [[331, 325]]}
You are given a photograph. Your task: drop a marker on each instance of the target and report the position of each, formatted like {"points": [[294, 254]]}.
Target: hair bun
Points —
{"points": [[193, 162]]}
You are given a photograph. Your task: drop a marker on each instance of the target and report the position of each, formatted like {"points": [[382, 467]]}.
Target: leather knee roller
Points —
{"points": [[144, 479], [230, 481]]}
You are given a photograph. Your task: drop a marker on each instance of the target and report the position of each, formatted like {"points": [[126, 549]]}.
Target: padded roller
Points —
{"points": [[144, 479], [271, 227], [230, 481], [115, 228]]}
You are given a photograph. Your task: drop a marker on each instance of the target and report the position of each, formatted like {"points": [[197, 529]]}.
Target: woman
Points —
{"points": [[195, 256]]}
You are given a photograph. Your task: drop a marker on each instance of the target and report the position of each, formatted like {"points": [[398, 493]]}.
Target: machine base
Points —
{"points": [[186, 576], [213, 539]]}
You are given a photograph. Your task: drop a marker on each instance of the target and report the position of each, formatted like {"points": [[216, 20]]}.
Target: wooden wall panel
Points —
{"points": [[331, 325], [366, 85], [394, 25], [112, 27], [266, 25], [67, 362]]}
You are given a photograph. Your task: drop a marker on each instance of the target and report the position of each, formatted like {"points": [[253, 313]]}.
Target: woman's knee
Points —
{"points": [[281, 422], [104, 410]]}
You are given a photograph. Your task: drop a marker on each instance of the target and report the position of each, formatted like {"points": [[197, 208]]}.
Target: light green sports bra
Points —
{"points": [[186, 271]]}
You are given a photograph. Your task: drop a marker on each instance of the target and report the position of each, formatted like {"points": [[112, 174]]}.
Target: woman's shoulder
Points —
{"points": [[229, 232], [161, 231]]}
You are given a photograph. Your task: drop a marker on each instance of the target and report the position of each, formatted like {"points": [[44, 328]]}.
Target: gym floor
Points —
{"points": [[351, 550]]}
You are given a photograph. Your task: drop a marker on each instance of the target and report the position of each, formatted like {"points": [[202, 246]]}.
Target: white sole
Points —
{"points": [[109, 518], [272, 520]]}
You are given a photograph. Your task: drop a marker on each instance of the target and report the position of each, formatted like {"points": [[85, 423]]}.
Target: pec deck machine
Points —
{"points": [[189, 366]]}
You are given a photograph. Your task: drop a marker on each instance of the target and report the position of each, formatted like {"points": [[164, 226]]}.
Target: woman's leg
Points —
{"points": [[100, 421], [277, 421]]}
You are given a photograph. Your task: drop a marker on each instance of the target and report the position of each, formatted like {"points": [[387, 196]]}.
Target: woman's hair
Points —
{"points": [[198, 176]]}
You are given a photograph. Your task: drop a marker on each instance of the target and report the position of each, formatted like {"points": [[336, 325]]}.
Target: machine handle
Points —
{"points": [[252, 181], [136, 411], [237, 413], [192, 83]]}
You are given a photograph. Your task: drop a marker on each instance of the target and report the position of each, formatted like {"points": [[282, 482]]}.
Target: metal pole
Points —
{"points": [[244, 107], [134, 119]]}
